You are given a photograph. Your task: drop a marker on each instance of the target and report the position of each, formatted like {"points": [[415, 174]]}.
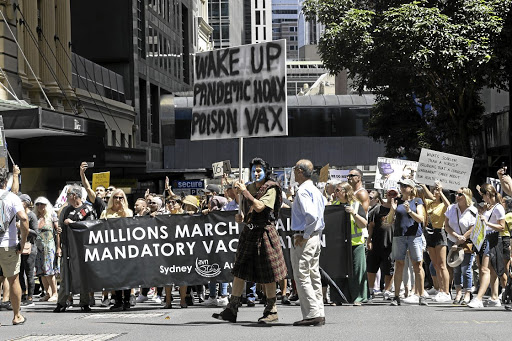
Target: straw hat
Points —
{"points": [[455, 257]]}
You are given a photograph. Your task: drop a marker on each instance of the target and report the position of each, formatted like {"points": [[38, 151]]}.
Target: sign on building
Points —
{"points": [[187, 187]]}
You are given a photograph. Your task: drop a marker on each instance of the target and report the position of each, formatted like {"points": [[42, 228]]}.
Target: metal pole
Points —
{"points": [[240, 163]]}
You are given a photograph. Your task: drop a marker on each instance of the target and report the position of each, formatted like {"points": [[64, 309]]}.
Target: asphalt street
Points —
{"points": [[147, 321]]}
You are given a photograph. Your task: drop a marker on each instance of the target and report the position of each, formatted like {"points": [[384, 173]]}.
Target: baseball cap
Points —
{"points": [[25, 198]]}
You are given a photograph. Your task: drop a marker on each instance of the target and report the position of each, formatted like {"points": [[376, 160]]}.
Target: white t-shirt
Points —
{"points": [[493, 215], [460, 222], [12, 205]]}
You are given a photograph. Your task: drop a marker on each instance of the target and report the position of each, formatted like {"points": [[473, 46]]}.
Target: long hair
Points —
{"points": [[488, 188], [264, 164], [126, 211], [468, 194], [349, 191], [48, 209]]}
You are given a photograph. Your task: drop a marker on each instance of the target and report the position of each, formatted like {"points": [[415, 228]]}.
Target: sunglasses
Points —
{"points": [[119, 197], [403, 185], [351, 175], [40, 204], [153, 203], [459, 194], [110, 189], [69, 194], [339, 190]]}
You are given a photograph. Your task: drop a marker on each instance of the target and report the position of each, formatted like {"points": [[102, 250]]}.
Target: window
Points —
{"points": [[258, 17]]}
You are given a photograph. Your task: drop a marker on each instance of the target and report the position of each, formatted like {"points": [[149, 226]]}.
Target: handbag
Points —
{"points": [[467, 246], [27, 248]]}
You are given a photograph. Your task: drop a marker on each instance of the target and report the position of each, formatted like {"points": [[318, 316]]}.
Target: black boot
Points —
{"points": [[231, 311], [270, 312]]}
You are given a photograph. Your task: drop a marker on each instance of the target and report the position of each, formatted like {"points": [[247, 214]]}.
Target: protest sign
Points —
{"points": [[478, 234], [221, 168], [100, 179], [240, 92], [338, 174], [390, 171], [496, 183], [182, 249], [324, 174], [453, 171]]}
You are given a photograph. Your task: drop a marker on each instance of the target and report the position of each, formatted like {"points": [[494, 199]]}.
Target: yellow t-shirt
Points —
{"points": [[508, 225], [435, 212]]}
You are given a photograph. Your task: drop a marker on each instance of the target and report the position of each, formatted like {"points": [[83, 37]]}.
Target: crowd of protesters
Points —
{"points": [[410, 244]]}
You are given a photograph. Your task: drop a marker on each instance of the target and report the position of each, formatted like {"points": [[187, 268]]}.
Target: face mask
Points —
{"points": [[257, 176]]}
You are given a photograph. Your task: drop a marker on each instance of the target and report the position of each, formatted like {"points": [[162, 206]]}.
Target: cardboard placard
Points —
{"points": [[324, 174], [102, 179], [478, 234], [240, 92], [453, 171], [221, 168], [338, 174], [390, 171]]}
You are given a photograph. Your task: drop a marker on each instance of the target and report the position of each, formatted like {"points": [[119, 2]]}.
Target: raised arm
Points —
{"points": [[90, 193]]}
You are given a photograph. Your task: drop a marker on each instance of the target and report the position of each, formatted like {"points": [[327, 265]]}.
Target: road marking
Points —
{"points": [[122, 316], [67, 337], [473, 321]]}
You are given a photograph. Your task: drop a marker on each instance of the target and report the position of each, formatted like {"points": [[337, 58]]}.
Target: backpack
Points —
{"points": [[4, 222]]}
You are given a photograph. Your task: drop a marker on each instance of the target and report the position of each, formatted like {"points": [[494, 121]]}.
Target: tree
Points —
{"points": [[425, 60]]}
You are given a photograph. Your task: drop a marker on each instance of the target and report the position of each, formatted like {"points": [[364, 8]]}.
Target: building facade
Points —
{"points": [[285, 25], [226, 19]]}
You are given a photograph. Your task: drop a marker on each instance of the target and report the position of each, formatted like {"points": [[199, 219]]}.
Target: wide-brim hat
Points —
{"points": [[408, 182], [455, 257], [191, 200]]}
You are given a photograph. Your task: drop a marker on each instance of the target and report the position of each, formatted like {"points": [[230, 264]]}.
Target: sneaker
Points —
{"points": [[112, 301], [423, 301], [157, 299], [294, 298], [201, 298], [44, 298], [53, 298], [28, 303], [285, 300], [432, 291], [151, 292], [425, 294], [493, 303], [442, 297], [251, 303], [413, 299], [141, 298], [476, 303], [222, 301], [388, 295], [133, 300], [116, 307], [396, 301], [104, 302], [211, 301], [268, 317]]}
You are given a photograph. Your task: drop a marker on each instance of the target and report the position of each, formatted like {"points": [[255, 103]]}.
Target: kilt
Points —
{"points": [[259, 256]]}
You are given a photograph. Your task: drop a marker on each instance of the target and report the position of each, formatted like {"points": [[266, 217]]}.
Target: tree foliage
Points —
{"points": [[426, 60]]}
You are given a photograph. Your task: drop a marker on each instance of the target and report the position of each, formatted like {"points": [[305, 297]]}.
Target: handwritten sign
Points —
{"points": [[221, 168], [240, 92], [390, 171], [453, 171], [102, 179], [478, 233]]}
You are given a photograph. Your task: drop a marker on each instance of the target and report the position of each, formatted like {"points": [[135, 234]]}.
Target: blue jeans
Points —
{"points": [[213, 289], [463, 274], [412, 243]]}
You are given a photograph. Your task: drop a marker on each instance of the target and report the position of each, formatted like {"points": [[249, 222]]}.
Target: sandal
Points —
{"points": [[19, 323]]}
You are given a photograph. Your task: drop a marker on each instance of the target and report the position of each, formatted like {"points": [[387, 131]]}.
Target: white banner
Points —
{"points": [[390, 171], [338, 174], [240, 92], [453, 171]]}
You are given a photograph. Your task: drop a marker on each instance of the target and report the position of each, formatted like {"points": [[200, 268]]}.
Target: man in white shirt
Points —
{"points": [[307, 224], [10, 250]]}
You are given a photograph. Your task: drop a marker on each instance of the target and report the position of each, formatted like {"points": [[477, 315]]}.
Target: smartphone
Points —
{"points": [[504, 168], [90, 164]]}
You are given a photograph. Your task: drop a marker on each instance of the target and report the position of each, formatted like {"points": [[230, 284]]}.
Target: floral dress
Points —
{"points": [[46, 260]]}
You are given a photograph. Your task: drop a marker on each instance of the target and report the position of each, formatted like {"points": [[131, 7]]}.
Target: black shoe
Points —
{"points": [[126, 305], [294, 298], [60, 308], [285, 300], [395, 301], [316, 321], [251, 303], [226, 315], [116, 307], [189, 300], [85, 308]]}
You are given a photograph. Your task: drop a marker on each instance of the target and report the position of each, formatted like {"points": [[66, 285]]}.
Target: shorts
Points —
{"points": [[379, 259], [506, 247], [10, 261], [412, 243], [437, 238]]}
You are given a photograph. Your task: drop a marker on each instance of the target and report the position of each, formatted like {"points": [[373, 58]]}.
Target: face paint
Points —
{"points": [[257, 176]]}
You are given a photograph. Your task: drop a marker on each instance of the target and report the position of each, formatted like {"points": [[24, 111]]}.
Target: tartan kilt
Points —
{"points": [[259, 256]]}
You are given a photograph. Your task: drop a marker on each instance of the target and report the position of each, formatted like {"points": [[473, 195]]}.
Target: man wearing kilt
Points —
{"points": [[259, 257]]}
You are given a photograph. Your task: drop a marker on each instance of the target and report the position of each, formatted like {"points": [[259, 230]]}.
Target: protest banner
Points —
{"points": [[453, 171], [324, 174], [240, 92], [496, 183], [390, 171], [100, 179], [338, 174], [478, 234], [181, 249]]}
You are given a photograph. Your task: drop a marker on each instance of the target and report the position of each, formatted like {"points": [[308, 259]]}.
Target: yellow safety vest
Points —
{"points": [[356, 232]]}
